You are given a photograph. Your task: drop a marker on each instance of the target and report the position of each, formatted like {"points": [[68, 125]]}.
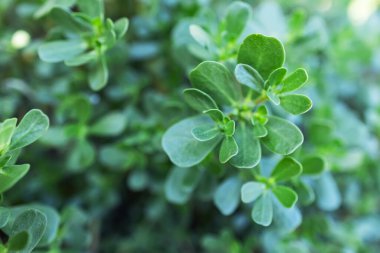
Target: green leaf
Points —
{"points": [[273, 97], [236, 18], [265, 54], [251, 191], [6, 132], [93, 8], [199, 100], [62, 50], [262, 212], [4, 216], [313, 165], [205, 132], [283, 136], [32, 126], [227, 195], [295, 80], [276, 77], [228, 149], [10, 175], [33, 222], [215, 114], [259, 131], [260, 116], [229, 128], [181, 183], [249, 154], [327, 191], [286, 169], [111, 124], [121, 27], [98, 79], [200, 36], [69, 22], [217, 81], [180, 145], [81, 59], [285, 195], [52, 221], [82, 155], [295, 103], [249, 76], [18, 242]]}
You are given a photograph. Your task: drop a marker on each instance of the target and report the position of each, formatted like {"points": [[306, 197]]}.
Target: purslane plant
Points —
{"points": [[26, 226], [235, 114], [235, 108], [89, 35]]}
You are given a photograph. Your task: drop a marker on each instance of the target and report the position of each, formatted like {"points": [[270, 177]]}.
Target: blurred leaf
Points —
{"points": [[227, 195], [62, 50]]}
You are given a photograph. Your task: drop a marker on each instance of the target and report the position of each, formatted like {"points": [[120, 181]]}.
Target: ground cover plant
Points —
{"points": [[189, 126]]}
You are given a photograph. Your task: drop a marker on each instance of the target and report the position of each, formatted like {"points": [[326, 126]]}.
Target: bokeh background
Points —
{"points": [[113, 192]]}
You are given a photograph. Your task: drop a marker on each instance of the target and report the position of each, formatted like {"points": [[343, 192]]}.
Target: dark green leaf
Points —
{"points": [[276, 77], [265, 54], [285, 195], [286, 169], [295, 80], [229, 128], [313, 165]]}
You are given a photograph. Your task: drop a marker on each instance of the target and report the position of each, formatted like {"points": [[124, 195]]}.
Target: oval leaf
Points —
{"points": [[249, 76], [180, 145], [228, 149], [285, 195], [262, 212], [286, 169], [295, 103], [32, 126], [62, 50], [265, 54], [295, 80], [283, 136], [249, 154], [251, 191], [217, 81], [199, 100], [227, 196]]}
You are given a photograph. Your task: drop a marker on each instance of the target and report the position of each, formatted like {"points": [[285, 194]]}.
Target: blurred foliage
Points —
{"points": [[101, 165]]}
